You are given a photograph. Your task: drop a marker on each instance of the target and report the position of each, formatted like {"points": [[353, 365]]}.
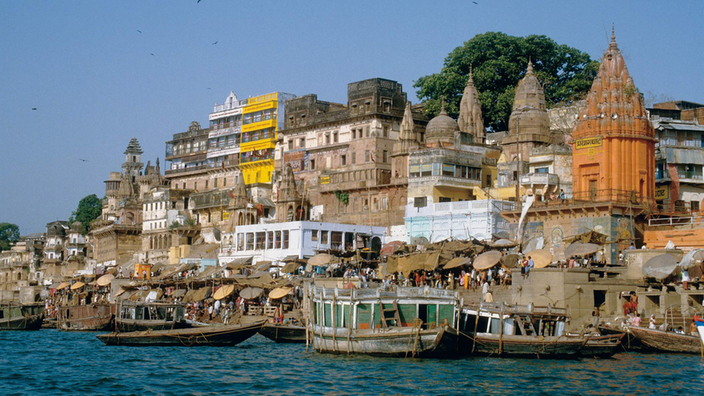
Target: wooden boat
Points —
{"points": [[225, 335], [284, 333], [699, 322], [412, 322], [15, 316], [89, 317], [665, 341], [497, 329], [603, 347], [629, 342], [140, 316]]}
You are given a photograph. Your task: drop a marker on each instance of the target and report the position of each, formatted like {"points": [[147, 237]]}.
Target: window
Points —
{"points": [[206, 184], [284, 244], [334, 137], [343, 159], [290, 144], [327, 138], [694, 205], [277, 243], [544, 169], [270, 240], [366, 131], [386, 131], [250, 241], [215, 183], [354, 158], [324, 237], [302, 143], [366, 156], [385, 156], [354, 133], [312, 164], [314, 235]]}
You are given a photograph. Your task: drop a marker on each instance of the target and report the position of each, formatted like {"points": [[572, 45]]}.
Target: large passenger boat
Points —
{"points": [[89, 317], [139, 315], [393, 321], [15, 316]]}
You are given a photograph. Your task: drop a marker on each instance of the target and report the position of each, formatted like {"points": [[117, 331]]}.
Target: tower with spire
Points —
{"points": [[470, 119], [614, 145], [407, 142]]}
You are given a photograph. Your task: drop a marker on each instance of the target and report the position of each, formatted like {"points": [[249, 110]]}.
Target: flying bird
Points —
{"points": [[475, 2], [197, 1], [34, 108], [83, 160], [152, 53], [139, 30], [215, 43]]}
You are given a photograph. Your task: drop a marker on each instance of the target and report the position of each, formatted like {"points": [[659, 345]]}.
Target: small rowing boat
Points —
{"points": [[665, 341], [226, 335]]}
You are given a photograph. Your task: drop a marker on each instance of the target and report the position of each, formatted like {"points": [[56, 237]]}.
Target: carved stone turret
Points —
{"points": [[470, 119], [406, 138], [290, 206]]}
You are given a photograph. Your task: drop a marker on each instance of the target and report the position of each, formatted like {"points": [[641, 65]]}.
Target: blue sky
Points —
{"points": [[90, 73]]}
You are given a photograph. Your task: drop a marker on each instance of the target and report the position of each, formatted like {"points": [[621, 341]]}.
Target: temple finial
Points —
{"points": [[442, 105], [613, 34]]}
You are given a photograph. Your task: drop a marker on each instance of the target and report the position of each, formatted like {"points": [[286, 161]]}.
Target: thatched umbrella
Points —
{"points": [[541, 258], [487, 260], [581, 249], [660, 267]]}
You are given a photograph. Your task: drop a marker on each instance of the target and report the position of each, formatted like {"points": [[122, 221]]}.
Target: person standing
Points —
{"points": [[651, 322], [466, 280], [485, 290], [685, 279]]}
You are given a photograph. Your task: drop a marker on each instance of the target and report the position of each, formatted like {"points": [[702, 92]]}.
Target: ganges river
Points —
{"points": [[50, 362]]}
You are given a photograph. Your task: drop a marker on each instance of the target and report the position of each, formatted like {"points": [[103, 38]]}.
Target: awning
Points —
{"points": [[541, 258], [290, 267], [77, 285], [321, 259], [581, 249], [290, 258], [263, 265], [239, 262], [279, 292], [457, 262], [63, 285], [178, 293]]}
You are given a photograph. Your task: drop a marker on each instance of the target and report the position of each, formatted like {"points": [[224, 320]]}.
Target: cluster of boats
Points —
{"points": [[384, 321]]}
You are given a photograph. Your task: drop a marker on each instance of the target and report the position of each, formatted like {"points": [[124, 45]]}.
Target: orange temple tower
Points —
{"points": [[614, 145]]}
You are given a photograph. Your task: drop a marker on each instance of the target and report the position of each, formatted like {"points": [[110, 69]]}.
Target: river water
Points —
{"points": [[54, 362]]}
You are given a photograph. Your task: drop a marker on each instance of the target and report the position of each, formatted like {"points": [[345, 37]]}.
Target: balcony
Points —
{"points": [[445, 181], [541, 179]]}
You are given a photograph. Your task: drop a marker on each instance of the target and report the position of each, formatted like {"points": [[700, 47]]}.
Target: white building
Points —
{"points": [[276, 241]]}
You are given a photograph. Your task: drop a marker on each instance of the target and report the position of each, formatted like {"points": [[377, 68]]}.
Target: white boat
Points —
{"points": [[700, 326]]}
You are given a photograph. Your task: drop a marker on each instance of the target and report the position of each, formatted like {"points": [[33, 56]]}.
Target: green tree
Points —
{"points": [[9, 234], [499, 61], [89, 209]]}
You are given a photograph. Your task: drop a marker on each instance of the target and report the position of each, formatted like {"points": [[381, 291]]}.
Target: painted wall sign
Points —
{"points": [[588, 142]]}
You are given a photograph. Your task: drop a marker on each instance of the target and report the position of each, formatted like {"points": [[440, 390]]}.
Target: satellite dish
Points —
{"points": [[216, 233]]}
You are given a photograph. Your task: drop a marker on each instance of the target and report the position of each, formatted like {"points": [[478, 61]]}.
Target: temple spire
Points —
{"points": [[470, 119], [406, 137]]}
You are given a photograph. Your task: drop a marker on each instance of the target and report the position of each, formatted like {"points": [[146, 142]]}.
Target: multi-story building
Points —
{"points": [[55, 249], [342, 154], [679, 160]]}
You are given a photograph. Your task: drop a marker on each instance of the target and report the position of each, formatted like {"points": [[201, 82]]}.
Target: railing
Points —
{"points": [[672, 221], [611, 194], [540, 178]]}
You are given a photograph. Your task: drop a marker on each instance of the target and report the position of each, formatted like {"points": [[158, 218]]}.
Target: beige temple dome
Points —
{"points": [[441, 128]]}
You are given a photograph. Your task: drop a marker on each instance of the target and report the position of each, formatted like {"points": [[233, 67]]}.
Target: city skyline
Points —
{"points": [[99, 74]]}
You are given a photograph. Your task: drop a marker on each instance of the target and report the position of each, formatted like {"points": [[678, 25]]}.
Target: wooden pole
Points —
{"points": [[501, 329], [332, 313], [349, 325]]}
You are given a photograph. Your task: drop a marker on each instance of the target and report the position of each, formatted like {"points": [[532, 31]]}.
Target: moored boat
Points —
{"points": [[89, 317], [15, 316], [603, 346], [284, 333], [666, 341], [400, 321], [699, 322], [225, 335], [502, 330], [629, 342], [140, 316]]}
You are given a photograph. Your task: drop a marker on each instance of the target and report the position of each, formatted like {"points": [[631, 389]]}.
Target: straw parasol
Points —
{"points": [[77, 285], [487, 260], [457, 262], [63, 285], [105, 280], [541, 258], [504, 243], [249, 293], [581, 249], [320, 259], [511, 260], [390, 247], [279, 292], [223, 292], [660, 267]]}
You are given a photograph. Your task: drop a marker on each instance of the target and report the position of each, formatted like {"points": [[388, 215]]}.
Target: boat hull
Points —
{"points": [[90, 317], [283, 333], [629, 341], [21, 317], [394, 341], [664, 341], [198, 336], [126, 326], [602, 347], [519, 346]]}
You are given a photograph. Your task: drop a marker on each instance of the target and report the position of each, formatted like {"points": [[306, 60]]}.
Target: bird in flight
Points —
{"points": [[197, 1], [215, 43], [475, 2], [34, 108], [83, 160], [139, 30], [152, 53]]}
